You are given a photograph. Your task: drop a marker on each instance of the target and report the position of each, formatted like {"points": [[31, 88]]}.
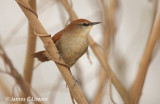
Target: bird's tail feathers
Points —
{"points": [[42, 56]]}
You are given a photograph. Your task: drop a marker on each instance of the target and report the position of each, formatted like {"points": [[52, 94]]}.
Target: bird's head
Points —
{"points": [[81, 26]]}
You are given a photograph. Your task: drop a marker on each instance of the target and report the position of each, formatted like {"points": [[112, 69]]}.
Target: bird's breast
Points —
{"points": [[72, 48]]}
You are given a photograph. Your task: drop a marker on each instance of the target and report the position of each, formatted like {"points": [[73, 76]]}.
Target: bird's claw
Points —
{"points": [[60, 55], [75, 82]]}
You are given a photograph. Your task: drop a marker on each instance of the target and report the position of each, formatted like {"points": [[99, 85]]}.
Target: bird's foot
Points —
{"points": [[60, 55], [76, 82]]}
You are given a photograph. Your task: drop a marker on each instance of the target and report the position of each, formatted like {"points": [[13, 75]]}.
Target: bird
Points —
{"points": [[71, 42]]}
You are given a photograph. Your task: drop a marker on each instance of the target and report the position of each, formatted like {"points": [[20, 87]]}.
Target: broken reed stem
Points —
{"points": [[121, 90], [31, 45], [50, 47], [137, 86]]}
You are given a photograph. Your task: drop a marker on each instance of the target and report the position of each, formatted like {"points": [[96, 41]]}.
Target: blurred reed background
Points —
{"points": [[121, 66]]}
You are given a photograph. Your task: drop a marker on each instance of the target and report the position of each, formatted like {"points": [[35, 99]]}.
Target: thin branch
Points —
{"points": [[51, 48], [31, 45], [137, 86]]}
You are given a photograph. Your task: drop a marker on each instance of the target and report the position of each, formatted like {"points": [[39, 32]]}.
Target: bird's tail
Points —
{"points": [[42, 56]]}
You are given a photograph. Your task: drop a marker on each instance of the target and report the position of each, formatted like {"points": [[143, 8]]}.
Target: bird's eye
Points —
{"points": [[85, 24]]}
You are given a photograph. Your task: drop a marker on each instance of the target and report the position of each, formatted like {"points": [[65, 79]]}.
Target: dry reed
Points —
{"points": [[50, 47], [31, 45], [137, 86]]}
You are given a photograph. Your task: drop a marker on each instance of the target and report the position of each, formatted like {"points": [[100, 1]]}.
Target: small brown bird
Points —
{"points": [[71, 42]]}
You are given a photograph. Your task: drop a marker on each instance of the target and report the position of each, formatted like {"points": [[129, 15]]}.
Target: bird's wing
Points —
{"points": [[57, 36]]}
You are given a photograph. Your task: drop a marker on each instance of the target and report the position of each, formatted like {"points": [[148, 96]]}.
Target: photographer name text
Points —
{"points": [[15, 99]]}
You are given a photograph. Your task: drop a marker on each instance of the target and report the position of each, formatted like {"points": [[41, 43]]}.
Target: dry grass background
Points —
{"points": [[124, 68]]}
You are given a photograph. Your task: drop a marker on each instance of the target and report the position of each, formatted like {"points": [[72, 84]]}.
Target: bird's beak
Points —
{"points": [[94, 23]]}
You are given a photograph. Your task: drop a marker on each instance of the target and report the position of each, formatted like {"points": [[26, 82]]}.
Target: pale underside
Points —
{"points": [[72, 52]]}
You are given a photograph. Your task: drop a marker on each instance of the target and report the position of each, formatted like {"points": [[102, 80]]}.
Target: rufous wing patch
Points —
{"points": [[57, 36]]}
